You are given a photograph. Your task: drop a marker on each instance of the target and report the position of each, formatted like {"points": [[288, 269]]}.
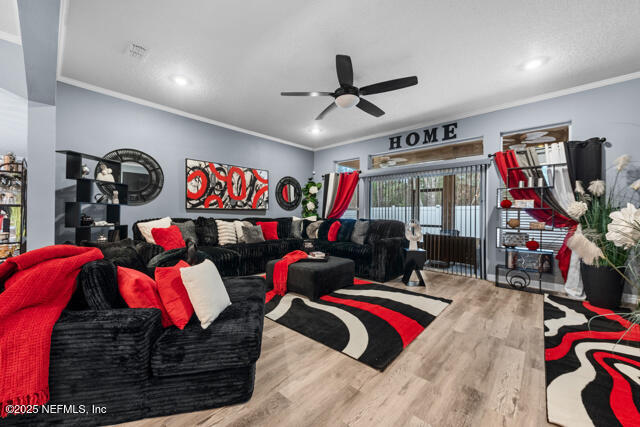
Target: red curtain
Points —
{"points": [[511, 178], [346, 187]]}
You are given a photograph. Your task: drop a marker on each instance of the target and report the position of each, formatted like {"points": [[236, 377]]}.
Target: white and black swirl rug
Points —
{"points": [[371, 323], [592, 371]]}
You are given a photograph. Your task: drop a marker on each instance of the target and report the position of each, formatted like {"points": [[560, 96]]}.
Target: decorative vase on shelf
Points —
{"points": [[513, 223], [603, 285], [506, 204], [532, 245]]}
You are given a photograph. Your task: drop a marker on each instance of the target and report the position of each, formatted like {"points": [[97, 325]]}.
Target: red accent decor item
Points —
{"points": [[564, 254], [269, 229], [532, 245], [140, 291], [281, 272], [169, 238], [37, 287], [506, 204], [173, 294], [333, 231], [346, 187]]}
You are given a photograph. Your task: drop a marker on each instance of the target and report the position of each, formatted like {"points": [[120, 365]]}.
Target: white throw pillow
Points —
{"points": [[239, 233], [145, 227], [226, 232], [206, 291]]}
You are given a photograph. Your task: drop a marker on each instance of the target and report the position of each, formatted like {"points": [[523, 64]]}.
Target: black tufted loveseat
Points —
{"points": [[120, 360], [379, 258]]}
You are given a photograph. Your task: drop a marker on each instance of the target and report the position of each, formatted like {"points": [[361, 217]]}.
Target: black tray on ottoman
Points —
{"points": [[315, 279]]}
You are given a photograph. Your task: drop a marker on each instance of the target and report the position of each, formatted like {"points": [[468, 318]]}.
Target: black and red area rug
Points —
{"points": [[593, 371], [371, 323]]}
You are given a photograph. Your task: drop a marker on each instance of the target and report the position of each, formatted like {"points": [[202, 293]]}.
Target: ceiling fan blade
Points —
{"points": [[306, 93], [326, 110], [370, 108], [344, 70], [389, 85]]}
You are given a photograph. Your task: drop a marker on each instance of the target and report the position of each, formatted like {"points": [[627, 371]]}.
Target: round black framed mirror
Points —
{"points": [[139, 171], [288, 193]]}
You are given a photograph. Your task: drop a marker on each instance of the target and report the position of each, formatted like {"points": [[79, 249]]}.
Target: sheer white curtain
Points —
{"points": [[562, 191]]}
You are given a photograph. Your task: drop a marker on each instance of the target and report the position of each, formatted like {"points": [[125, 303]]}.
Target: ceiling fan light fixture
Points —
{"points": [[347, 100]]}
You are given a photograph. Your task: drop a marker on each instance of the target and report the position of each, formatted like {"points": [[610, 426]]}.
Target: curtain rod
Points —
{"points": [[359, 172]]}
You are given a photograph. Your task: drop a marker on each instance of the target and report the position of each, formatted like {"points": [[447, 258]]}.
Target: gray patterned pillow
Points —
{"points": [[296, 228], [188, 230], [312, 229], [360, 232], [252, 234]]}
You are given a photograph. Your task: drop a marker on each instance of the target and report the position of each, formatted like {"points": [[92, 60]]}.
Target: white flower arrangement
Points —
{"points": [[622, 162], [577, 209], [579, 188], [311, 206], [588, 251], [624, 228], [597, 187], [635, 185], [313, 190]]}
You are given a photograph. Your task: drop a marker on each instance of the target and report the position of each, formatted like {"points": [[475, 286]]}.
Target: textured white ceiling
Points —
{"points": [[241, 54], [9, 22]]}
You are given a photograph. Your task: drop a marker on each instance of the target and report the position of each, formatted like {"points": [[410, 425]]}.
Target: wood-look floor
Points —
{"points": [[480, 363]]}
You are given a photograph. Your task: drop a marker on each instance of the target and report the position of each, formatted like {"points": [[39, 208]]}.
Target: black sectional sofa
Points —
{"points": [[104, 355], [379, 258]]}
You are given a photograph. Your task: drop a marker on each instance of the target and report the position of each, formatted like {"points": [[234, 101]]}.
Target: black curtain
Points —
{"points": [[584, 160]]}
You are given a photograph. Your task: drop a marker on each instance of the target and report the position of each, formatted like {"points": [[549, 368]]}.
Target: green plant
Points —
{"points": [[310, 198]]}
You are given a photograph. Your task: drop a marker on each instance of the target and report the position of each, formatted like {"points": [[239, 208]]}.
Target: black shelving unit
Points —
{"points": [[13, 238], [86, 191], [514, 273]]}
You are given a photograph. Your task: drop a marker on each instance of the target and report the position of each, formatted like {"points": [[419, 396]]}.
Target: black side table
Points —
{"points": [[414, 260]]}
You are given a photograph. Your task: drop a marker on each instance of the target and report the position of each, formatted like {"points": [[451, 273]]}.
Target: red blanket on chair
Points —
{"points": [[281, 271], [37, 287]]}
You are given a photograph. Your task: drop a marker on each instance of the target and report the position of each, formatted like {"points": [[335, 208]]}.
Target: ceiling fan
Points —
{"points": [[348, 95], [386, 161]]}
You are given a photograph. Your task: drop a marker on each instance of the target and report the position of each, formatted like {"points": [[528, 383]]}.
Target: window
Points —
{"points": [[448, 151], [353, 211]]}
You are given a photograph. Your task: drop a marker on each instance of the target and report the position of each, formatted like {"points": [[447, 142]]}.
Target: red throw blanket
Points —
{"points": [[38, 286], [281, 271]]}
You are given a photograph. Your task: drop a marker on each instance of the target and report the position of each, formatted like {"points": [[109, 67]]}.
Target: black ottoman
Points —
{"points": [[315, 278]]}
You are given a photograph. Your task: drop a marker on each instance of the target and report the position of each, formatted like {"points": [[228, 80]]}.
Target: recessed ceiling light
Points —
{"points": [[534, 63], [315, 130], [180, 80]]}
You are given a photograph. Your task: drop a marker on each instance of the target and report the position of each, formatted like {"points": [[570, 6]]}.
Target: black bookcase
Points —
{"points": [[13, 202], [86, 190]]}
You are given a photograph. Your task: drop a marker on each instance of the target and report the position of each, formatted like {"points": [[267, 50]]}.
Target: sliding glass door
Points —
{"points": [[449, 203]]}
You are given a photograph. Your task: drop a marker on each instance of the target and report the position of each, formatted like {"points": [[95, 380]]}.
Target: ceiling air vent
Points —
{"points": [[136, 51]]}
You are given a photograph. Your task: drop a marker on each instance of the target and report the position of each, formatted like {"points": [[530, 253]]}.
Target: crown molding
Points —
{"points": [[464, 115], [175, 111]]}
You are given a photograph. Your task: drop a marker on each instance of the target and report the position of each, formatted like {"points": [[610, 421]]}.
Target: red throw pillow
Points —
{"points": [[333, 231], [269, 229], [173, 294], [140, 291], [169, 238]]}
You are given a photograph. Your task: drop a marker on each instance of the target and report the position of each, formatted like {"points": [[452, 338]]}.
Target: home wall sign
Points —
{"points": [[428, 136], [212, 185]]}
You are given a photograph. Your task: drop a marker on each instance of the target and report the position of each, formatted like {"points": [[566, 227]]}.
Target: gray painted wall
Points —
{"points": [[610, 111], [12, 74], [94, 123]]}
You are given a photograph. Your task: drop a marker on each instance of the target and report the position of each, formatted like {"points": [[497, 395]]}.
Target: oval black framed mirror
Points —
{"points": [[139, 171], [288, 193]]}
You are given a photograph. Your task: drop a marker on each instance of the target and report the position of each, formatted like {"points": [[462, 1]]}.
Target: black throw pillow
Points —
{"points": [[345, 230], [98, 286], [207, 231]]}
